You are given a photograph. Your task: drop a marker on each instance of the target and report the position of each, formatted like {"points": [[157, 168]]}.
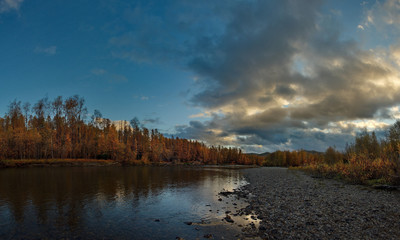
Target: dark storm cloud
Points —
{"points": [[255, 52], [272, 73], [285, 90], [257, 62]]}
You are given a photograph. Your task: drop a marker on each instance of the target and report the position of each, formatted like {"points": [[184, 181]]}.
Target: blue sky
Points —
{"points": [[52, 48], [260, 75]]}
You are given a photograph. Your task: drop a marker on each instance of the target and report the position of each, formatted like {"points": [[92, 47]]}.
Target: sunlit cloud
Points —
{"points": [[394, 112], [199, 115], [121, 124], [277, 74], [310, 85], [370, 124]]}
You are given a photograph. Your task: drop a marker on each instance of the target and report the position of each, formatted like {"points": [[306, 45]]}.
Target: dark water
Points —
{"points": [[117, 202]]}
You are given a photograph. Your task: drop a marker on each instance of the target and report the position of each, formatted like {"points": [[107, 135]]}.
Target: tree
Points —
{"points": [[58, 129], [332, 156], [393, 138]]}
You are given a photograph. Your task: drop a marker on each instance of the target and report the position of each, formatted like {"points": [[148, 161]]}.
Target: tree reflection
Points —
{"points": [[68, 199]]}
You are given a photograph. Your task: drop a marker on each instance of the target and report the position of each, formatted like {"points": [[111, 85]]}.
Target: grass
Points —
{"points": [[376, 172]]}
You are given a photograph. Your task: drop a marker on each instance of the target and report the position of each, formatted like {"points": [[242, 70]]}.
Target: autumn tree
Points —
{"points": [[58, 129]]}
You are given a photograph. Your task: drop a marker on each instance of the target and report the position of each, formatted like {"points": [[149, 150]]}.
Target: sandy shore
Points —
{"points": [[293, 205]]}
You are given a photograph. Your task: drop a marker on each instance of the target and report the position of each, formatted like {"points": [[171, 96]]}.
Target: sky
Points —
{"points": [[262, 75]]}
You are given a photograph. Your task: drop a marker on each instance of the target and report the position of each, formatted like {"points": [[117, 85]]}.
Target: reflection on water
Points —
{"points": [[113, 202]]}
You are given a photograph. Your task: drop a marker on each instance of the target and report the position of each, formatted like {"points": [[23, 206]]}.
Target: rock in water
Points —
{"points": [[385, 187], [229, 219], [225, 194]]}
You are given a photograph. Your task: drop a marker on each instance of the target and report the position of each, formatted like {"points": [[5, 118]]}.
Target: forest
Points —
{"points": [[63, 129], [60, 129], [366, 160]]}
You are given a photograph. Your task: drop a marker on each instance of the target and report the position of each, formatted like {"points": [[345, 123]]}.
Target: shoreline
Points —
{"points": [[293, 205], [284, 203], [27, 163], [308, 170], [289, 203]]}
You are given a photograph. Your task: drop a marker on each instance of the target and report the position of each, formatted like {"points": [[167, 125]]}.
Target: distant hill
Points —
{"points": [[259, 154], [313, 152], [268, 153]]}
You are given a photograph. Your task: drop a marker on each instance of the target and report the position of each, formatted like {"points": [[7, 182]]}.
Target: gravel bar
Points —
{"points": [[294, 205]]}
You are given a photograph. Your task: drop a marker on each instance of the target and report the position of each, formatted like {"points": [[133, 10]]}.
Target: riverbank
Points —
{"points": [[54, 163], [371, 173], [293, 205], [17, 163]]}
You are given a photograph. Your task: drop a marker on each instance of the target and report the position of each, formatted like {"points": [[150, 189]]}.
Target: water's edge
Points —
{"points": [[132, 202]]}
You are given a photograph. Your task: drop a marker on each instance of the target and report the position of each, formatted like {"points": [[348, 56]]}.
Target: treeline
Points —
{"points": [[59, 129], [293, 158], [365, 160]]}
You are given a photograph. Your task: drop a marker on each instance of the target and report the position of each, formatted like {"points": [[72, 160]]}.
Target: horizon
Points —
{"points": [[258, 75]]}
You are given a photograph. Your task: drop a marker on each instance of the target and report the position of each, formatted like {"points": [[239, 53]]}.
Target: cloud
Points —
{"points": [[49, 51], [200, 115], [384, 16], [299, 83], [151, 121], [8, 5], [273, 73], [121, 124], [395, 53]]}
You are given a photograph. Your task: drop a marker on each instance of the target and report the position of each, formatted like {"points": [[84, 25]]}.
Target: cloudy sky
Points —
{"points": [[258, 74]]}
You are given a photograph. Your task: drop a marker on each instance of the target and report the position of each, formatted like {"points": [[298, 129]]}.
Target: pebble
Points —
{"points": [[229, 219], [292, 205]]}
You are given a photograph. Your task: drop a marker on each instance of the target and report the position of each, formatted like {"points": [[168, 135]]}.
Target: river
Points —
{"points": [[139, 202]]}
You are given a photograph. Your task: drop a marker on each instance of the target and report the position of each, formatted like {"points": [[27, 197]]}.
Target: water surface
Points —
{"points": [[117, 202]]}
